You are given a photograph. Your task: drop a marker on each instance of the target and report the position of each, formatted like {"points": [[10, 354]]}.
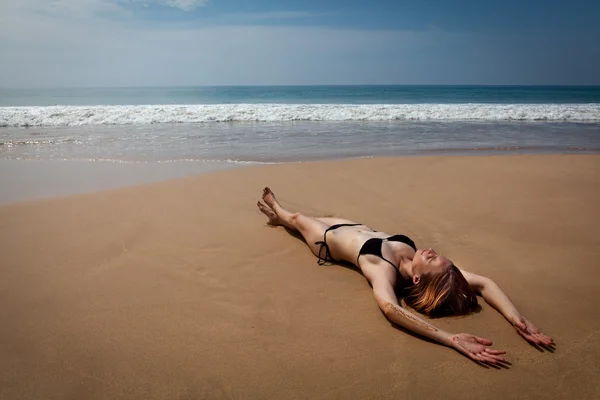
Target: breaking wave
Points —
{"points": [[172, 114]]}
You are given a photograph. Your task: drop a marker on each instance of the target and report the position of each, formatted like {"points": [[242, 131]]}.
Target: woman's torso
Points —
{"points": [[346, 242]]}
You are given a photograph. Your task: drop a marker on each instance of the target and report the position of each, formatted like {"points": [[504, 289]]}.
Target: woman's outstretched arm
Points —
{"points": [[495, 297], [472, 346]]}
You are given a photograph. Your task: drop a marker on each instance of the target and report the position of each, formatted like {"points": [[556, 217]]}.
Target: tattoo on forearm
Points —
{"points": [[399, 311]]}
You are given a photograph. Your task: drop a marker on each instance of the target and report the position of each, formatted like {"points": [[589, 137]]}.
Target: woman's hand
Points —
{"points": [[476, 348], [529, 331]]}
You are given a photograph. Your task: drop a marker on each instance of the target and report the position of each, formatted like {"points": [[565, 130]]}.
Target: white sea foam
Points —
{"points": [[168, 114], [211, 161]]}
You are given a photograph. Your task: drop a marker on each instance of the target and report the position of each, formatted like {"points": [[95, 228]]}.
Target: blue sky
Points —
{"points": [[454, 15], [50, 43]]}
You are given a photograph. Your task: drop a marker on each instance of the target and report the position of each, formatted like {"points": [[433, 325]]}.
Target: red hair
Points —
{"points": [[441, 294]]}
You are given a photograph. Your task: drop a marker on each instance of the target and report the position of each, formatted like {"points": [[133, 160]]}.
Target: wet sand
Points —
{"points": [[178, 289]]}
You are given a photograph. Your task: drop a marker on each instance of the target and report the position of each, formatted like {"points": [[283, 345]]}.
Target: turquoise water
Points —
{"points": [[293, 123], [304, 95]]}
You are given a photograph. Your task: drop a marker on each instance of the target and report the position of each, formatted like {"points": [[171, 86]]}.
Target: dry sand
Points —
{"points": [[178, 290]]}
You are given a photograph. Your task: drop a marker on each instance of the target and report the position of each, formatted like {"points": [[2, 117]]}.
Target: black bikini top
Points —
{"points": [[373, 246]]}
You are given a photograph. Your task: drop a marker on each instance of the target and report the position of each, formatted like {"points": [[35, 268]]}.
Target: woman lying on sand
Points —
{"points": [[432, 284]]}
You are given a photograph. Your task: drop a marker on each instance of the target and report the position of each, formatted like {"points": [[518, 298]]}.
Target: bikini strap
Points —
{"points": [[323, 244], [384, 259], [380, 255], [391, 263]]}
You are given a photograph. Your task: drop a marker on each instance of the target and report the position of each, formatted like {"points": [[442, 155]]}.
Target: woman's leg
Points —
{"points": [[310, 228], [274, 220], [334, 221]]}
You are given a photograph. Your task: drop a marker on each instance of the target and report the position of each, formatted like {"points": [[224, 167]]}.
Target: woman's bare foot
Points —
{"points": [[273, 218], [269, 198]]}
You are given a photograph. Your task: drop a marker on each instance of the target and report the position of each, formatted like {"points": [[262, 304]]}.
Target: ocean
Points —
{"points": [[293, 123], [63, 141]]}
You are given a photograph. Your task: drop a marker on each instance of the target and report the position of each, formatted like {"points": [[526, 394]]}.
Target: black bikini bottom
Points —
{"points": [[323, 243]]}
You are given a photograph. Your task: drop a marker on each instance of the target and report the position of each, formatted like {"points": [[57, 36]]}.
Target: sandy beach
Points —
{"points": [[179, 290]]}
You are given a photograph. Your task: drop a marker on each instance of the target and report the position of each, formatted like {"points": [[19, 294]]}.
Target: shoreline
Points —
{"points": [[32, 179]]}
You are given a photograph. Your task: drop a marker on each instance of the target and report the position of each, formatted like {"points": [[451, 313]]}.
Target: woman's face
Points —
{"points": [[428, 262]]}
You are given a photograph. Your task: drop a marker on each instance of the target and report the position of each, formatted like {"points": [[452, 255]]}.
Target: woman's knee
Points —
{"points": [[334, 220], [295, 220], [308, 226]]}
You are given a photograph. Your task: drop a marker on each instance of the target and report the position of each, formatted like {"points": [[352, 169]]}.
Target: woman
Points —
{"points": [[434, 285]]}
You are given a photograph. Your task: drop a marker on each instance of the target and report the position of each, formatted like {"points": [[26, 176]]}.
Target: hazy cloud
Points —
{"points": [[49, 43], [27, 9], [82, 8], [278, 15], [185, 5]]}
